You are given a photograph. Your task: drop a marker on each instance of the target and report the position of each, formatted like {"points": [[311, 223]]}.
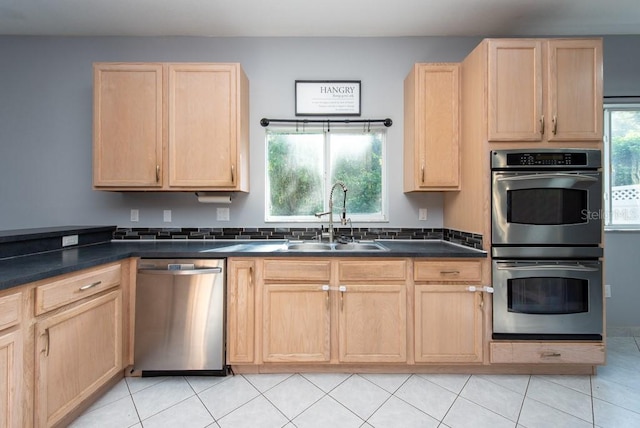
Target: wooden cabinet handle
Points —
{"points": [[422, 173], [157, 173], [551, 354], [542, 125], [233, 175], [342, 289], [449, 272], [554, 121], [46, 349], [251, 277], [88, 286], [326, 288]]}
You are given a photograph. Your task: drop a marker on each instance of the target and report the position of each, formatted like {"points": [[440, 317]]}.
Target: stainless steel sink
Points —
{"points": [[301, 246], [309, 246], [335, 246], [360, 246]]}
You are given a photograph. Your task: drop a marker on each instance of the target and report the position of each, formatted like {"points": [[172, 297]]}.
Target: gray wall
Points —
{"points": [[622, 249], [46, 115]]}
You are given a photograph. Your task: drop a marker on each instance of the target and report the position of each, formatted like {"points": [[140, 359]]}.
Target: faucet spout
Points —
{"points": [[343, 219]]}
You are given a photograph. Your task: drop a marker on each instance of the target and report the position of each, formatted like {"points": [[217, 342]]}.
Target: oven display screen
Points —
{"points": [[546, 159]]}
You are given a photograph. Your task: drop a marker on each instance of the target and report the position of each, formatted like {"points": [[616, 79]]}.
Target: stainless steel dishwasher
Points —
{"points": [[179, 318]]}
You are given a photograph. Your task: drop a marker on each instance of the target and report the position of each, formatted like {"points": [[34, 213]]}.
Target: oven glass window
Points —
{"points": [[545, 295], [547, 206]]}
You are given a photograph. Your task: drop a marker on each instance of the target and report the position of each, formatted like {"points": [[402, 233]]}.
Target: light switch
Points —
{"points": [[166, 216]]}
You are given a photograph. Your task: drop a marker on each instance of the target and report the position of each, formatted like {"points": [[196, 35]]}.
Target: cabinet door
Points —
{"points": [[373, 323], [127, 125], [296, 323], [575, 90], [203, 125], [77, 351], [241, 311], [515, 90], [11, 379], [448, 323], [432, 128]]}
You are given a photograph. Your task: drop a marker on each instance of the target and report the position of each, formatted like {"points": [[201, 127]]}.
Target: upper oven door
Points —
{"points": [[546, 208]]}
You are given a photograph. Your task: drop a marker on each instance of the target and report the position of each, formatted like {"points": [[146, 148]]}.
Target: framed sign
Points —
{"points": [[327, 97]]}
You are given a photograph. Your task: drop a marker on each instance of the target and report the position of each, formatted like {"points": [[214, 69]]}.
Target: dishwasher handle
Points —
{"points": [[207, 271]]}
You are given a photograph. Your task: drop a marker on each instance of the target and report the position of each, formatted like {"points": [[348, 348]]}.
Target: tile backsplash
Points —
{"points": [[360, 233]]}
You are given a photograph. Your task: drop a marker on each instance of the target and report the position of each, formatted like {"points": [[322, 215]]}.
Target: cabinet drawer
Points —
{"points": [[547, 353], [373, 270], [300, 270], [10, 310], [448, 270], [76, 286]]}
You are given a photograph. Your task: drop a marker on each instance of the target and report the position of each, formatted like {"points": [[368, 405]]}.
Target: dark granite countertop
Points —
{"points": [[17, 235], [28, 268]]}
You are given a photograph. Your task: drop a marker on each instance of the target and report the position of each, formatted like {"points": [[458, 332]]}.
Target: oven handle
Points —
{"points": [[550, 176], [580, 268]]}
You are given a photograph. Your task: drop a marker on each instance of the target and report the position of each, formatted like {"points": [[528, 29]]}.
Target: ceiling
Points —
{"points": [[323, 18]]}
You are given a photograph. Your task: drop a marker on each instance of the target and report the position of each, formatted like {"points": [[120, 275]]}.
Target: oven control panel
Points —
{"points": [[568, 158], [544, 159]]}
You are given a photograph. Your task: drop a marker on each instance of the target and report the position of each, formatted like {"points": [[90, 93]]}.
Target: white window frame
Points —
{"points": [[607, 207], [382, 217]]}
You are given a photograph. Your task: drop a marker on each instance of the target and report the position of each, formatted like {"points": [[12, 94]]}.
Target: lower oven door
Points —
{"points": [[543, 298]]}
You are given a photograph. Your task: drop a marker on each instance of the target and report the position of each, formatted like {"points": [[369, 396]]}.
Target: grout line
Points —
{"points": [[593, 410], [134, 402], [523, 400], [459, 395]]}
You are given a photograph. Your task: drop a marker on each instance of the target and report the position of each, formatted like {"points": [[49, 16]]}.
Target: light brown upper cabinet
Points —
{"points": [[171, 127], [432, 127], [544, 90]]}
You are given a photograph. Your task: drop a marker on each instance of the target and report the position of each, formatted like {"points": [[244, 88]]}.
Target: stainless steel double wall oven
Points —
{"points": [[546, 236]]}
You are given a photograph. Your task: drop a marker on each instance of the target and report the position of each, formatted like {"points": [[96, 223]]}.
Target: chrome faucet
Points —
{"points": [[343, 219]]}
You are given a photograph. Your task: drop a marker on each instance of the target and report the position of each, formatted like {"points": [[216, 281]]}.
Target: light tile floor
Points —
{"points": [[609, 399]]}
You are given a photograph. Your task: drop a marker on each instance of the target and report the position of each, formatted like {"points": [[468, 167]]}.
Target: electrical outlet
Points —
{"points": [[222, 214], [607, 290], [422, 214], [69, 240], [166, 216], [135, 215]]}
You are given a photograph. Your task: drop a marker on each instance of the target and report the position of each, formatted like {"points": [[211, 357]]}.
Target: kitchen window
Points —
{"points": [[302, 166], [622, 166]]}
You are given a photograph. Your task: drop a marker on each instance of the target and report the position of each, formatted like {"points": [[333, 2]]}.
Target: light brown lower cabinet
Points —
{"points": [[61, 343], [296, 304], [317, 311], [77, 351], [11, 384], [296, 323], [448, 317], [448, 324], [241, 309], [377, 313], [534, 352], [372, 311], [11, 360], [372, 323]]}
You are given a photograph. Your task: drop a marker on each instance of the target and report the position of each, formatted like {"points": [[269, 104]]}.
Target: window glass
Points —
{"points": [[622, 166], [302, 167]]}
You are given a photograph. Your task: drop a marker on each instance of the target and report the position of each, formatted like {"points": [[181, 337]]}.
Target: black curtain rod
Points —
{"points": [[265, 122]]}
